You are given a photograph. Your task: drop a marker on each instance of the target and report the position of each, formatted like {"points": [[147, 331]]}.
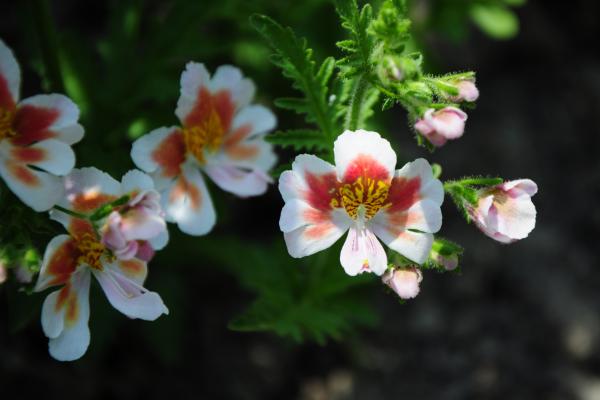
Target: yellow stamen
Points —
{"points": [[207, 135], [6, 124], [365, 193], [91, 251]]}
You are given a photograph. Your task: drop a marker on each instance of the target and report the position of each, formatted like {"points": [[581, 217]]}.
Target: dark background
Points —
{"points": [[520, 322]]}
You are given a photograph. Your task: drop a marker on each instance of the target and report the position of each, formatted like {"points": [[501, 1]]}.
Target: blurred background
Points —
{"points": [[248, 322]]}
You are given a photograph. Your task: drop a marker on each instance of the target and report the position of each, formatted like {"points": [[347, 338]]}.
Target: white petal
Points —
{"points": [[193, 78], [56, 259], [413, 245], [10, 73], [521, 187], [230, 78], [160, 152], [293, 184], [515, 218], [59, 157], [37, 189], [52, 320], [310, 239], [129, 297], [362, 252], [160, 242], [135, 180], [238, 181], [65, 127], [363, 153], [259, 118], [188, 203], [73, 341], [430, 187]]}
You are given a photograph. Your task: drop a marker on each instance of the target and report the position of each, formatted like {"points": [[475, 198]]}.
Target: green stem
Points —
{"points": [[356, 102], [481, 181], [71, 213], [46, 30]]}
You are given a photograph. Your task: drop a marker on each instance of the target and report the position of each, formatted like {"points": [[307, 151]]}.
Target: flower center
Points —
{"points": [[206, 135], [6, 121], [91, 251], [364, 197]]}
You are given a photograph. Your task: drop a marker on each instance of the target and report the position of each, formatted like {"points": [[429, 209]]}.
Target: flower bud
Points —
{"points": [[397, 69], [442, 125], [467, 91], [505, 212], [404, 281]]}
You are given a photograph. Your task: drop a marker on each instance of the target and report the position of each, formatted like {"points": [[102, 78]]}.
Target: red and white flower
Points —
{"points": [[362, 194], [70, 260], [505, 212], [442, 125], [36, 132], [221, 134]]}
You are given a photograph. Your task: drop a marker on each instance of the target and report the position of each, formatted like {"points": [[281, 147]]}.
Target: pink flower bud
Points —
{"points": [[442, 125], [505, 212], [449, 262], [405, 282], [467, 91]]}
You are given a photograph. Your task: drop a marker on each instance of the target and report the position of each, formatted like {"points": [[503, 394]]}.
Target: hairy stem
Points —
{"points": [[356, 102]]}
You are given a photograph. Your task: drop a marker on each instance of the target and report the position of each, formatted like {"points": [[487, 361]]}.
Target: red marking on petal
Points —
{"points": [[235, 149], [321, 190], [80, 227], [367, 167], [132, 267], [31, 124], [185, 188], [206, 103], [6, 99], [63, 262], [28, 155], [68, 298], [317, 231], [23, 174], [170, 154], [315, 216], [403, 193], [90, 200]]}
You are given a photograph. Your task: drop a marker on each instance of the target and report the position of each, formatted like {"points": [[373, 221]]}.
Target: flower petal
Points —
{"points": [[10, 78], [256, 119], [362, 252], [520, 187], [312, 180], [229, 78], [188, 203], [310, 238], [161, 151], [241, 182], [415, 181], [413, 245], [39, 190], [71, 305], [47, 116], [160, 242], [51, 155], [128, 296], [193, 78], [363, 153], [136, 181], [59, 262]]}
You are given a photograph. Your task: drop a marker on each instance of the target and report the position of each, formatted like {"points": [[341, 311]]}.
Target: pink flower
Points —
{"points": [[404, 281], [442, 125], [467, 91], [364, 195], [221, 135], [505, 212], [36, 135], [70, 260]]}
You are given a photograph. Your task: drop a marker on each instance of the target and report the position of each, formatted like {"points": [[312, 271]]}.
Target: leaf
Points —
{"points": [[496, 20], [296, 60], [299, 139]]}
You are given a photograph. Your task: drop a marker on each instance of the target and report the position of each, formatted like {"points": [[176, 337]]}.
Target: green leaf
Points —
{"points": [[299, 139], [296, 60], [496, 20]]}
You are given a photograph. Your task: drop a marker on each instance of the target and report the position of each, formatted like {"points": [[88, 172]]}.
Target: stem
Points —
{"points": [[46, 30], [481, 181], [71, 213], [356, 102]]}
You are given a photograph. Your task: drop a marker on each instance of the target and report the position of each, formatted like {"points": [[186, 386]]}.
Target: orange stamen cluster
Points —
{"points": [[206, 135], [364, 193], [91, 251]]}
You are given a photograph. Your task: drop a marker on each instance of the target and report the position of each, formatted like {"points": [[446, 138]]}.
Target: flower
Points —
{"points": [[36, 132], [70, 260], [467, 91], [505, 212], [448, 261], [442, 125], [361, 194], [221, 135], [404, 281]]}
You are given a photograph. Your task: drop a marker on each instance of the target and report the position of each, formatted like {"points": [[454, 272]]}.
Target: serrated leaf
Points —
{"points": [[299, 139]]}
